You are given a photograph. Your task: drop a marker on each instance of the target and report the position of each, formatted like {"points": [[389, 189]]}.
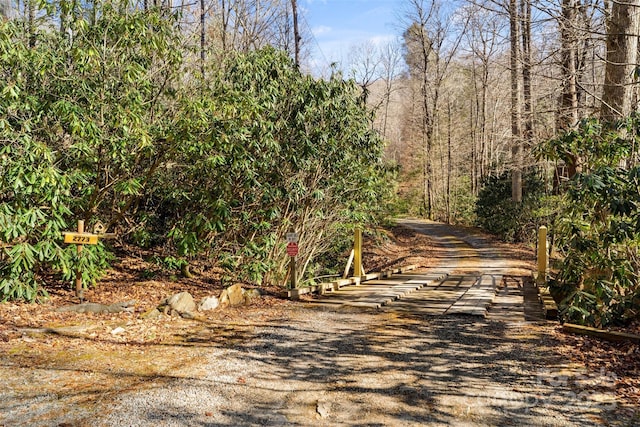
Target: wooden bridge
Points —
{"points": [[472, 278]]}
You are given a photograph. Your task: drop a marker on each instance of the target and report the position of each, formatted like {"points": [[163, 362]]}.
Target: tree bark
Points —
{"points": [[202, 37], [516, 133], [31, 22], [622, 52], [568, 114], [449, 166], [6, 9], [296, 32], [526, 73]]}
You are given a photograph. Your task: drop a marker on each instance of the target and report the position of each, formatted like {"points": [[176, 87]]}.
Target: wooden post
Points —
{"points": [[357, 251], [292, 251], [292, 269], [349, 262], [79, 289], [543, 256]]}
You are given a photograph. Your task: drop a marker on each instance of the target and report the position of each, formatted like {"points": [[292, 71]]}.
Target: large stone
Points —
{"points": [[91, 307], [224, 298], [251, 295], [181, 303], [233, 295], [323, 409], [151, 314], [209, 303]]}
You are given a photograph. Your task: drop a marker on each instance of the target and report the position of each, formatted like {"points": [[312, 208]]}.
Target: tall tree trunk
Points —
{"points": [[526, 73], [449, 166], [6, 9], [202, 37], [622, 51], [484, 163], [296, 33], [474, 152], [427, 126], [225, 24], [568, 114], [516, 140], [476, 157], [31, 22]]}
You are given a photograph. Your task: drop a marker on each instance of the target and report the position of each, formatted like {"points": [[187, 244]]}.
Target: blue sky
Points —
{"points": [[337, 25]]}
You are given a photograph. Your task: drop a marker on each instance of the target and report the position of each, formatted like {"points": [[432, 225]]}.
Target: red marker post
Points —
{"points": [[292, 251]]}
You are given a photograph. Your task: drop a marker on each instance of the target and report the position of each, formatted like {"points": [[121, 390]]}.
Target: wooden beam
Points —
{"points": [[349, 262], [600, 333]]}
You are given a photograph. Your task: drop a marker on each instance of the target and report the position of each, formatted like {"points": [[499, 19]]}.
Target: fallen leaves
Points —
{"points": [[621, 360]]}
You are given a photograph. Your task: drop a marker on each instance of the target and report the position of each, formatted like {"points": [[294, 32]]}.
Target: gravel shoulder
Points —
{"points": [[293, 364], [373, 369]]}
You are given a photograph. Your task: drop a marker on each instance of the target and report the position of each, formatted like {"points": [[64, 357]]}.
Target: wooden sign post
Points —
{"points": [[79, 288], [292, 251], [80, 238]]}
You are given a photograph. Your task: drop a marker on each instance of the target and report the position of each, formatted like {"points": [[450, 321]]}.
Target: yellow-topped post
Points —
{"points": [[543, 256], [357, 252]]}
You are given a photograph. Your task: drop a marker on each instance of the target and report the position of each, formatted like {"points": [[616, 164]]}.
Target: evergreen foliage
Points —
{"points": [[598, 228], [499, 215], [111, 125]]}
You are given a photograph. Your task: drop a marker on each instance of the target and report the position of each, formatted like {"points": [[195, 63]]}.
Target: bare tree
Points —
{"points": [[203, 34], [568, 112], [365, 66], [482, 41], [516, 115], [296, 32], [525, 19], [244, 25], [431, 42], [6, 9], [575, 38], [622, 52], [390, 63]]}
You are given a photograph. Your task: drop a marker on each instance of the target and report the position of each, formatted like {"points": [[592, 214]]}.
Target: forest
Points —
{"points": [[202, 131]]}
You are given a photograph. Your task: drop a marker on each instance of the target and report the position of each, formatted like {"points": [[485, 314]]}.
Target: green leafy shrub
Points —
{"points": [[220, 167], [33, 214], [169, 263], [499, 215], [599, 228], [265, 149], [77, 138]]}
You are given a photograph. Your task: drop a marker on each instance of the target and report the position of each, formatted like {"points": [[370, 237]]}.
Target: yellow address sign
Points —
{"points": [[81, 238]]}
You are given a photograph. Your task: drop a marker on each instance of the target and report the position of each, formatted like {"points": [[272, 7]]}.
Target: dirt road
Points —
{"points": [[310, 366]]}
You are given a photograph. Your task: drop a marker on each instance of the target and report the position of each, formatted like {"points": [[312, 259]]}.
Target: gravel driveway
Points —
{"points": [[309, 366], [331, 368]]}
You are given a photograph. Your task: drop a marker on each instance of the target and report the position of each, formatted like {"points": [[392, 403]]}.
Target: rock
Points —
{"points": [[224, 298], [209, 303], [117, 330], [151, 314], [91, 307], [233, 295], [251, 294], [181, 303], [323, 408]]}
